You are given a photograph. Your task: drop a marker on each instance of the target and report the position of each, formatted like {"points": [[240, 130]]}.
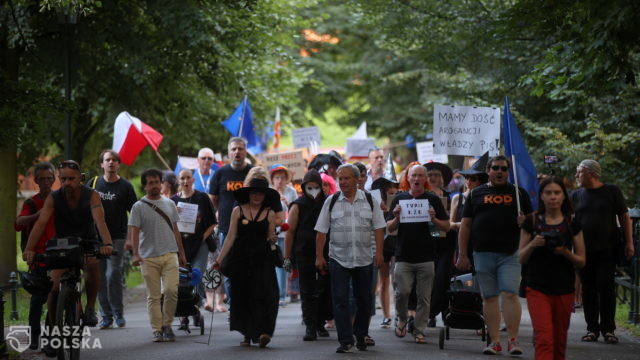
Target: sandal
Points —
{"points": [[590, 337], [401, 331], [245, 342], [609, 338], [420, 339]]}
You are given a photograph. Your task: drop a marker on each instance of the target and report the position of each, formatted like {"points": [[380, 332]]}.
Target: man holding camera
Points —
{"points": [[491, 218]]}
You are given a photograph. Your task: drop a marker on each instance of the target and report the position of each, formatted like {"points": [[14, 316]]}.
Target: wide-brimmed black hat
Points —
{"points": [[272, 196], [447, 173], [479, 168], [320, 160]]}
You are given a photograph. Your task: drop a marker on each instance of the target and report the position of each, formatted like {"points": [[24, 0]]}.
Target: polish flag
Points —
{"points": [[130, 136]]}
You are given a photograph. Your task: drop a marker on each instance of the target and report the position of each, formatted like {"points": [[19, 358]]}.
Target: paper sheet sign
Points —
{"points": [[414, 210], [188, 214], [303, 137]]}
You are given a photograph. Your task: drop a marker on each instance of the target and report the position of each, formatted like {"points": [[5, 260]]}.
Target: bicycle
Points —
{"points": [[69, 253]]}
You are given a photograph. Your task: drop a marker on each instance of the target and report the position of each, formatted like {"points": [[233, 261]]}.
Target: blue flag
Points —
{"points": [[240, 123], [514, 145]]}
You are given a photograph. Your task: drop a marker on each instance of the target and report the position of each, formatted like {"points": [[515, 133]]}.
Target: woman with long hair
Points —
{"points": [[552, 247]]}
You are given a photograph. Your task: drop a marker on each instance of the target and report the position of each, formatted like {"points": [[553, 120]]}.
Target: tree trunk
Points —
{"points": [[8, 180]]}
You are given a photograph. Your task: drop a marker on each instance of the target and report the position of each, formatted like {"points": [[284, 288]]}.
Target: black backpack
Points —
{"points": [[335, 196]]}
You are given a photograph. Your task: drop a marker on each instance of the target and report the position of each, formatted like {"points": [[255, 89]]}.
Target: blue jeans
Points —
{"points": [[497, 272], [110, 294], [360, 277], [227, 282], [281, 274]]}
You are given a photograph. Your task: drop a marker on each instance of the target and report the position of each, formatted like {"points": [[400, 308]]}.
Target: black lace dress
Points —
{"points": [[254, 288]]}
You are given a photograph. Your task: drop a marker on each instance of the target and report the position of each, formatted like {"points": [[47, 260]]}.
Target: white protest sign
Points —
{"points": [[303, 137], [466, 130], [359, 147], [293, 160], [414, 210], [425, 153]]}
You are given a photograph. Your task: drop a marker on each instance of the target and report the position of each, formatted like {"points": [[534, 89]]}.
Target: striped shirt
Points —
{"points": [[352, 227]]}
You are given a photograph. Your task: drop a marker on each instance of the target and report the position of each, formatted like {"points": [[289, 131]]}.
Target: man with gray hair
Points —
{"points": [[352, 216], [599, 208], [203, 174]]}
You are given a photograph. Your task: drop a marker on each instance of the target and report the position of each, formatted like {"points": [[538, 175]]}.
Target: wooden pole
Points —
{"points": [[162, 160]]}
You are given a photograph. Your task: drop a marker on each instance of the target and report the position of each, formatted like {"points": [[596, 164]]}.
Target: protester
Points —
{"points": [[439, 175], [203, 174], [351, 220], [44, 176], [157, 247], [326, 164], [117, 197], [225, 181], [491, 220], [415, 252], [363, 175], [376, 166], [300, 243], [280, 178], [249, 246], [169, 184], [551, 245], [328, 184], [599, 209], [77, 212], [194, 241]]}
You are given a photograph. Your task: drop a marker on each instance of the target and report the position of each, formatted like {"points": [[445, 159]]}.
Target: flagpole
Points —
{"points": [[507, 119], [162, 160], [244, 105]]}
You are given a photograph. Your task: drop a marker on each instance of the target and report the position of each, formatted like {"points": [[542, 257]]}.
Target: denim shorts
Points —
{"points": [[497, 272]]}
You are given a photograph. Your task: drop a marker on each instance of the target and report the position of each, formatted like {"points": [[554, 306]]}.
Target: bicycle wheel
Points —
{"points": [[68, 323]]}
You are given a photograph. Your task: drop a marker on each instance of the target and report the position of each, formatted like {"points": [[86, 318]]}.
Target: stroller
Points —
{"points": [[465, 308], [190, 296]]}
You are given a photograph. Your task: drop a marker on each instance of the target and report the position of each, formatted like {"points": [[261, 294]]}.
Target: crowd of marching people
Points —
{"points": [[349, 234]]}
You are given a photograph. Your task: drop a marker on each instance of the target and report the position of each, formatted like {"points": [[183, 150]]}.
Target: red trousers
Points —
{"points": [[550, 317]]}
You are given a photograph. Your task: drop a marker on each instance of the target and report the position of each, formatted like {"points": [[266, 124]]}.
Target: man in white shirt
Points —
{"points": [[352, 216]]}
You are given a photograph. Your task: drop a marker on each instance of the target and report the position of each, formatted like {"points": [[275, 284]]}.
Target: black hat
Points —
{"points": [[447, 174], [311, 176], [479, 168], [272, 196], [320, 160]]}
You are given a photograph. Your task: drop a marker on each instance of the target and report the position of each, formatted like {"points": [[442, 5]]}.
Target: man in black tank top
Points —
{"points": [[77, 211]]}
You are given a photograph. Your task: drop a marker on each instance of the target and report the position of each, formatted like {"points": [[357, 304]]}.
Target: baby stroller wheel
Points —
{"points": [[446, 332], [441, 338]]}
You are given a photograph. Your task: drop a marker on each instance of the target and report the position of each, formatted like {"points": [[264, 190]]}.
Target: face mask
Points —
{"points": [[313, 191]]}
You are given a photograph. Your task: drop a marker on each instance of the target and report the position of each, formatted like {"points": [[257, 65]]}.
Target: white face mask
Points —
{"points": [[313, 191]]}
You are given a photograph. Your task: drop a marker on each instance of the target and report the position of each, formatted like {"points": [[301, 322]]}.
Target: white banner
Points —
{"points": [[466, 130], [415, 210], [425, 153], [302, 137]]}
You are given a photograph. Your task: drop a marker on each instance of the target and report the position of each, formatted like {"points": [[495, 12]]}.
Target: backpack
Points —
{"points": [[335, 196]]}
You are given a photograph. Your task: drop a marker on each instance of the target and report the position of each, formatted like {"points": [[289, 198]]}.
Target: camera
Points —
{"points": [[552, 239]]}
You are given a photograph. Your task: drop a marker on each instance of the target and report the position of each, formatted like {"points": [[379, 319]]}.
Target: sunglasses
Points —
{"points": [[502, 168], [206, 158], [68, 164]]}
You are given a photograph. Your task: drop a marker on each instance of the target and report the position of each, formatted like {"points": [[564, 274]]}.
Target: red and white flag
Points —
{"points": [[276, 130], [130, 136]]}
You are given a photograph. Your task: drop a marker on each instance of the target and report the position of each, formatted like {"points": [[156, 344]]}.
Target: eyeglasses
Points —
{"points": [[206, 158], [68, 164], [502, 168]]}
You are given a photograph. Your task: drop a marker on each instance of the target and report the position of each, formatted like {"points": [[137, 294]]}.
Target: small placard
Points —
{"points": [[414, 210]]}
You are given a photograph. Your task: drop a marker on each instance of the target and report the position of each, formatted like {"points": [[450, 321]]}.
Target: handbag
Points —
{"points": [[211, 241]]}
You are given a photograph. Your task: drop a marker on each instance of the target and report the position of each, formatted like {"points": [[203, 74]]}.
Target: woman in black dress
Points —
{"points": [[250, 246]]}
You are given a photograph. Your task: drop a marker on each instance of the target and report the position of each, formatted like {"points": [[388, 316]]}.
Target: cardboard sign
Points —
{"points": [[425, 153], [466, 130], [414, 210], [303, 137], [359, 147], [293, 160]]}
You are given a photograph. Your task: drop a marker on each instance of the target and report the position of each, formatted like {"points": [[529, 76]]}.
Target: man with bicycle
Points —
{"points": [[77, 212]]}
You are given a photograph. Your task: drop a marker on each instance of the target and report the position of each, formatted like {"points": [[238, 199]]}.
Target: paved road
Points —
{"points": [[134, 342]]}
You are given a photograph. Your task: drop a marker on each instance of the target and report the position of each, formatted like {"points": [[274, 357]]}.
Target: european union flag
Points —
{"points": [[514, 145], [240, 123]]}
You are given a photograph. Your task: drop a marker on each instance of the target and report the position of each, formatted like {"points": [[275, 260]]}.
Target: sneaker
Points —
{"points": [[157, 336], [120, 321], [386, 323], [310, 335], [345, 349], [361, 344], [167, 334], [106, 323], [90, 318], [322, 332], [493, 349], [514, 347]]}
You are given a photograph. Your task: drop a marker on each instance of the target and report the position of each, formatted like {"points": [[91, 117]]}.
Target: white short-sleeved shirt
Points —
{"points": [[352, 227], [156, 237]]}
